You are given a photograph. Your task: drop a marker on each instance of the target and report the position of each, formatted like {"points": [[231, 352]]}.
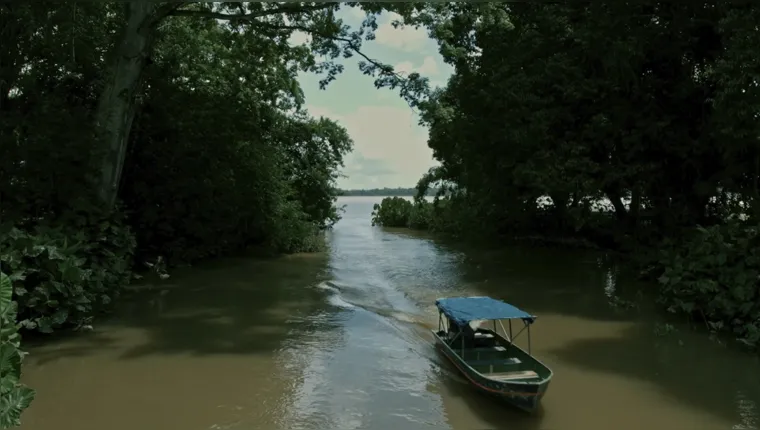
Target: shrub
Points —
{"points": [[448, 215], [714, 274], [392, 212], [420, 215], [294, 232], [62, 275], [14, 397]]}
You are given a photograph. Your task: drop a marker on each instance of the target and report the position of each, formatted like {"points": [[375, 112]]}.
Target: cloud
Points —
{"points": [[390, 148], [358, 165], [299, 38], [428, 68], [406, 39], [354, 12]]}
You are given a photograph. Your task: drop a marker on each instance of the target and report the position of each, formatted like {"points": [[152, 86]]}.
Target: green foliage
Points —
{"points": [[421, 215], [246, 166], [63, 275], [553, 109], [385, 192], [187, 113], [14, 396], [392, 212], [447, 216], [715, 274], [235, 170]]}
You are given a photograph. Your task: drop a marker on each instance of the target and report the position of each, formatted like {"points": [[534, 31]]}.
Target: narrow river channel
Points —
{"points": [[341, 341]]}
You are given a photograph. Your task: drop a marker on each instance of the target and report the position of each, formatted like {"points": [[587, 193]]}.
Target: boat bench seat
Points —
{"points": [[481, 335], [507, 376], [502, 362], [488, 349], [485, 352]]}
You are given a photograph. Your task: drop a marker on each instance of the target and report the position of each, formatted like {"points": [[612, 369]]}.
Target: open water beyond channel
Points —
{"points": [[341, 340]]}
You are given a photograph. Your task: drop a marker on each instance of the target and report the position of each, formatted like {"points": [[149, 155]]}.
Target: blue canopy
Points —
{"points": [[462, 310]]}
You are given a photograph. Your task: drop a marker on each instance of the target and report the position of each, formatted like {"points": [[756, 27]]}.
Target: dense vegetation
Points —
{"points": [[143, 130], [14, 397], [650, 106], [393, 192], [146, 131]]}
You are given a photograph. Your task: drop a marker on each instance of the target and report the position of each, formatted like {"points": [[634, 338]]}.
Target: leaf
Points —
{"points": [[69, 272], [60, 317], [16, 234], [18, 275], [9, 333], [35, 251], [59, 286], [53, 253], [45, 325], [6, 295], [28, 324], [13, 404], [10, 367], [721, 258]]}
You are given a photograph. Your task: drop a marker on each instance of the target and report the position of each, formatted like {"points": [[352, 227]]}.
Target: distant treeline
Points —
{"points": [[385, 192]]}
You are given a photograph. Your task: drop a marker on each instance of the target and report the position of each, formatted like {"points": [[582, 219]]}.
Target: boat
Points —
{"points": [[490, 360]]}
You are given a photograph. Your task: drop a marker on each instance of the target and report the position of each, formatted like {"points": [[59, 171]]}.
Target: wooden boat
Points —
{"points": [[491, 361]]}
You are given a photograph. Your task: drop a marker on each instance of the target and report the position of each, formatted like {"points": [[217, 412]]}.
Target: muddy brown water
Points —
{"points": [[341, 341]]}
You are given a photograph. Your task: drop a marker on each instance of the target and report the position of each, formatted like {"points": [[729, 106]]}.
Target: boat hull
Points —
{"points": [[523, 395]]}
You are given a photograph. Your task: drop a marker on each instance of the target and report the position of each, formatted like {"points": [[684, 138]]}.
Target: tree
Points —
{"points": [[140, 29]]}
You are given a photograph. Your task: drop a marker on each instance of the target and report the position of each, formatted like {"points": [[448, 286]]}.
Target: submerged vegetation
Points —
{"points": [[649, 107]]}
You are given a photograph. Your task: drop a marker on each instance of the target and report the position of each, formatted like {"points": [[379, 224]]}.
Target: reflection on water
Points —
{"points": [[747, 411], [341, 340]]}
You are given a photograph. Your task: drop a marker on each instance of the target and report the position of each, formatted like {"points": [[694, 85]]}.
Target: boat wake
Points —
{"points": [[343, 297], [413, 328]]}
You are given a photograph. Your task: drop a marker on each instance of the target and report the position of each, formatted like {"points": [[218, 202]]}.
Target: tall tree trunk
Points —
{"points": [[617, 203], [560, 201], [116, 105], [635, 208], [575, 200]]}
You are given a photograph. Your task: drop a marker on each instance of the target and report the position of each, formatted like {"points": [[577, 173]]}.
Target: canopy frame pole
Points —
{"points": [[510, 332], [459, 333], [448, 328], [528, 326], [504, 330], [455, 338]]}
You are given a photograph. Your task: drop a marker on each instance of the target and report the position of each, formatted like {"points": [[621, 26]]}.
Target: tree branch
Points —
{"points": [[347, 41], [163, 11], [384, 69], [250, 16]]}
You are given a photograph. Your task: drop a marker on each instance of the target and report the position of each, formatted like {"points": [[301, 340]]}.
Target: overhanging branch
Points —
{"points": [[252, 15], [350, 43], [384, 69], [163, 11]]}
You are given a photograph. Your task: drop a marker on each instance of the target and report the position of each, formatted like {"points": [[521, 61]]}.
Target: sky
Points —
{"points": [[390, 148]]}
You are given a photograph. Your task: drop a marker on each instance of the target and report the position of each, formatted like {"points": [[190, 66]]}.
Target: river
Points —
{"points": [[341, 341]]}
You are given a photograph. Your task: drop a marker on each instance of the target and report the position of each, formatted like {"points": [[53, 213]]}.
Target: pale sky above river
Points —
{"points": [[390, 148]]}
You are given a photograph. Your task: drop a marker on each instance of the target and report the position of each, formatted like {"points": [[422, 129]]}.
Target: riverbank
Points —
{"points": [[341, 340], [702, 273]]}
